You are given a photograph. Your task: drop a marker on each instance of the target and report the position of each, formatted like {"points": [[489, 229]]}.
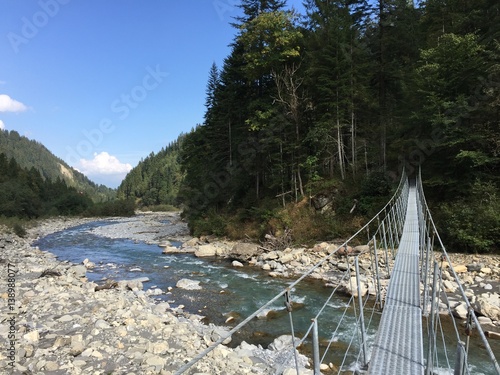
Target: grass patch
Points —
{"points": [[16, 225]]}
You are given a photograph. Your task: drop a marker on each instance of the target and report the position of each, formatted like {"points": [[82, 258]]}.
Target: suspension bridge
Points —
{"points": [[410, 338]]}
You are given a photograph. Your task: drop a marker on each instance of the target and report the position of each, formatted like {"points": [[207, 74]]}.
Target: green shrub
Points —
{"points": [[210, 223], [119, 207], [15, 225], [19, 230], [472, 223]]}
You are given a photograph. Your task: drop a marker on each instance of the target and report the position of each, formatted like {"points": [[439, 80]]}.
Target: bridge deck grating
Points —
{"points": [[398, 347]]}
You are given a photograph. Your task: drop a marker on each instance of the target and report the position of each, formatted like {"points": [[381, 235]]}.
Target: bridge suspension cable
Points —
{"points": [[402, 249], [434, 256]]}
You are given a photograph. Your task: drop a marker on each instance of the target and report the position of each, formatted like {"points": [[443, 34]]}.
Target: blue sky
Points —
{"points": [[103, 84]]}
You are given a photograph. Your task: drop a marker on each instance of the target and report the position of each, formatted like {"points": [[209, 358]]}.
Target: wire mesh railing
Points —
{"points": [[366, 295], [367, 284], [434, 260]]}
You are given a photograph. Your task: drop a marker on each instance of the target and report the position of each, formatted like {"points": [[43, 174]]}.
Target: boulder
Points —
{"points": [[188, 284], [272, 255], [243, 252], [460, 311], [32, 336], [351, 287], [282, 342], [361, 249], [460, 268], [77, 345], [486, 270], [474, 267], [344, 251], [206, 251], [237, 264], [342, 266], [88, 264], [449, 286], [286, 258], [154, 292], [488, 304], [170, 250], [191, 243], [79, 271], [101, 324], [134, 284]]}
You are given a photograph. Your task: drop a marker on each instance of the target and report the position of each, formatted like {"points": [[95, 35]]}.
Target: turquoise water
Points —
{"points": [[225, 291]]}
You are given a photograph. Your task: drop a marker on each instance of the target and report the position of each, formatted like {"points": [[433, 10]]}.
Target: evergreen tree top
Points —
{"points": [[252, 8]]}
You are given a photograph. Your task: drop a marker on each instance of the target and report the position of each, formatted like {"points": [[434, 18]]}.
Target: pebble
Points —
{"points": [[112, 330], [147, 338]]}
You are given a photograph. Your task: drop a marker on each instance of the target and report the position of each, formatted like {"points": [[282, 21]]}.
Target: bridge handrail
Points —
{"points": [[403, 182], [470, 309]]}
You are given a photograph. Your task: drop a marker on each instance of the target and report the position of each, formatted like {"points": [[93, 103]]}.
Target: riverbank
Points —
{"points": [[54, 321], [62, 324]]}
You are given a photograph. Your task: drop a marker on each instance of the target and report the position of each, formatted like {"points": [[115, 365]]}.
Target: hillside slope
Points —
{"points": [[30, 153], [156, 179]]}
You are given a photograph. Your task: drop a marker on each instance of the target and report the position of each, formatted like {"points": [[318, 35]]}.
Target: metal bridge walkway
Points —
{"points": [[398, 347]]}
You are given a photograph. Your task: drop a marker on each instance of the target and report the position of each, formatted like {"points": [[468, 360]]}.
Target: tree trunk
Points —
{"points": [[340, 150]]}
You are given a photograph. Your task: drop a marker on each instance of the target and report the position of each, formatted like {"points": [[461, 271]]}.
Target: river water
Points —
{"points": [[226, 291]]}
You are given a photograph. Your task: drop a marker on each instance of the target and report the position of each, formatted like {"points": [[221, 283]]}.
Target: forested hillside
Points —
{"points": [[312, 116], [156, 179], [32, 154], [25, 194]]}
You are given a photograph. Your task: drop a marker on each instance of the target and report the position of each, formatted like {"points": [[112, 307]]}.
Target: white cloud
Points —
{"points": [[7, 104], [2, 125], [104, 164]]}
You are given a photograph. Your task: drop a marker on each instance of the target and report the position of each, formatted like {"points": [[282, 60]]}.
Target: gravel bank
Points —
{"points": [[57, 323]]}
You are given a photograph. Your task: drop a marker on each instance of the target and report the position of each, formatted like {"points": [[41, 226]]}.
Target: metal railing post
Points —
{"points": [[430, 352], [361, 315], [316, 360], [460, 359], [379, 293], [385, 246]]}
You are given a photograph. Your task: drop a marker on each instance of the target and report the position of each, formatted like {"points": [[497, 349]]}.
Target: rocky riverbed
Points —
{"points": [[54, 321]]}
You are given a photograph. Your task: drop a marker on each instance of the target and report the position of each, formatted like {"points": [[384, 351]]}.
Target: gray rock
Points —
{"points": [[191, 243], [65, 318], [170, 250], [281, 342], [460, 311], [474, 267], [79, 271], [488, 304], [101, 324], [188, 284], [243, 252], [286, 258], [77, 345], [206, 251]]}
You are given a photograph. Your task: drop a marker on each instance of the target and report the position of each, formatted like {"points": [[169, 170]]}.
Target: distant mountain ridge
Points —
{"points": [[156, 180], [30, 153]]}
